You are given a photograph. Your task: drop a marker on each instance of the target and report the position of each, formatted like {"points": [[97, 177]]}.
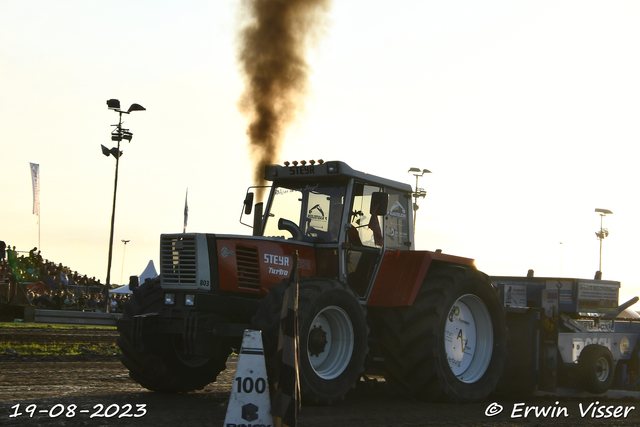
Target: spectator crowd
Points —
{"points": [[56, 282], [65, 300]]}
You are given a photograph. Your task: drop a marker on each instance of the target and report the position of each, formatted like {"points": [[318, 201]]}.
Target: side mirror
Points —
{"points": [[379, 203], [134, 282], [248, 203]]}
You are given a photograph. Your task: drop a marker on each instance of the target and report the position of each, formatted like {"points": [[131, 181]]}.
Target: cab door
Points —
{"points": [[364, 237]]}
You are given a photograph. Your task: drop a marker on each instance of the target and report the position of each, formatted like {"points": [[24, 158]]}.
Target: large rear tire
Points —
{"points": [[332, 337], [450, 344], [172, 371]]}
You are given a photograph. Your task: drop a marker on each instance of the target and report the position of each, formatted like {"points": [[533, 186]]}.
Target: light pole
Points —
{"points": [[560, 273], [123, 252], [601, 235], [418, 192], [118, 134]]}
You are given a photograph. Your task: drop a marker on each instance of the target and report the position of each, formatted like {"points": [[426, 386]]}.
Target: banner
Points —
{"points": [[186, 212], [35, 180]]}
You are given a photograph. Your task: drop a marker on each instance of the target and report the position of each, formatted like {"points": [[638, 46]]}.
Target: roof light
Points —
{"points": [[303, 162]]}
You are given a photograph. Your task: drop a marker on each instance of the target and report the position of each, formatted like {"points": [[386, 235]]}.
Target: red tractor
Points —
{"points": [[368, 302]]}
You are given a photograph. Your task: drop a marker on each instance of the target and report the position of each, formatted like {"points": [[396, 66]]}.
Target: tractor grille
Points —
{"points": [[248, 270], [178, 261]]}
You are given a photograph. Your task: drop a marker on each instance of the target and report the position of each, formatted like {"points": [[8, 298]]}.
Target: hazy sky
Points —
{"points": [[525, 112]]}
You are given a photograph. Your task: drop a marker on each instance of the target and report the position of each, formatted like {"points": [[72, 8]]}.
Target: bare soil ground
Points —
{"points": [[93, 390]]}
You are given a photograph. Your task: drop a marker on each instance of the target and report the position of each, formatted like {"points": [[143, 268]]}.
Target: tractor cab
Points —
{"points": [[349, 217]]}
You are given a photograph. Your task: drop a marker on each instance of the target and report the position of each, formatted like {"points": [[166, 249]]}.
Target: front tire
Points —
{"points": [[450, 344], [332, 337], [595, 367], [171, 371]]}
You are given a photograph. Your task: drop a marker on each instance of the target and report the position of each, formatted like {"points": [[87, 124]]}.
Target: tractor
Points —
{"points": [[368, 303]]}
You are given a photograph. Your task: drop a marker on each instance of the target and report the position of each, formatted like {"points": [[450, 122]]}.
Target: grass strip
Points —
{"points": [[58, 349], [22, 325]]}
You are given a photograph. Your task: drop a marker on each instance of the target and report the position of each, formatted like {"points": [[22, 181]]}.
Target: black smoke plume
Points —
{"points": [[273, 43]]}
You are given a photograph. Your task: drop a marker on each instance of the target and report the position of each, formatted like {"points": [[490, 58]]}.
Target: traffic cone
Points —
{"points": [[249, 404]]}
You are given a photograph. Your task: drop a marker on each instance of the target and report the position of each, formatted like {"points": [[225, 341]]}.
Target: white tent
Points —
{"points": [[148, 273], [121, 290]]}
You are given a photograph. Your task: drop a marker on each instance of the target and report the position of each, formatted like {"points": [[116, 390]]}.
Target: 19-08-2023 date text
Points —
{"points": [[99, 410]]}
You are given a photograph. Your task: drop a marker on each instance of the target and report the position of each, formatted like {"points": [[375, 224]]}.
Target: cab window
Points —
{"points": [[316, 208], [365, 228], [396, 225]]}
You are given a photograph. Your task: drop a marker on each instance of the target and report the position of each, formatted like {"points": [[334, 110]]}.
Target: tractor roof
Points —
{"points": [[326, 171]]}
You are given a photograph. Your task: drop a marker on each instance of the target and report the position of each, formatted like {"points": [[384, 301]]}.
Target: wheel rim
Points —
{"points": [[602, 369], [468, 336], [330, 342]]}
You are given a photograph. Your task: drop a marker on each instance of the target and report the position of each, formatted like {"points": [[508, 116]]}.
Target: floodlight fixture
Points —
{"points": [[417, 172], [111, 152], [113, 104], [136, 107], [114, 152]]}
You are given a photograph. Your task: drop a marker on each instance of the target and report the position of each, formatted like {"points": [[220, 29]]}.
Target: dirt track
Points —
{"points": [[88, 381]]}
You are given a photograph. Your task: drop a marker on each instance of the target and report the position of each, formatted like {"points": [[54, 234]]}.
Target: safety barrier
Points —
{"points": [[76, 317]]}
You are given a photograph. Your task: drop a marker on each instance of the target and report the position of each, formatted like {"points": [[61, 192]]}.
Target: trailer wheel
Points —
{"points": [[172, 371], [595, 367], [450, 344], [332, 337]]}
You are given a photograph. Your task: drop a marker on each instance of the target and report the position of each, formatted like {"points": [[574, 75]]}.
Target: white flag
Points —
{"points": [[35, 179], [186, 212]]}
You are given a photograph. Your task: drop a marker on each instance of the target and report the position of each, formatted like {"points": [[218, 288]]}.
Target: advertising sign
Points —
{"points": [[597, 297]]}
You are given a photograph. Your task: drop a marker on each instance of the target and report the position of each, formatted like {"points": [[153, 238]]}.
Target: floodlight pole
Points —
{"points": [[601, 236], [418, 192], [113, 216], [123, 253], [118, 134]]}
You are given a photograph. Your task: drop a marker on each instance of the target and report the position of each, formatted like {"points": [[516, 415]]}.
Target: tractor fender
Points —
{"points": [[401, 274]]}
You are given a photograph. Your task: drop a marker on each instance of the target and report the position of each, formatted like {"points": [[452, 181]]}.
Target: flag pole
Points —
{"points": [[35, 181], [39, 207]]}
